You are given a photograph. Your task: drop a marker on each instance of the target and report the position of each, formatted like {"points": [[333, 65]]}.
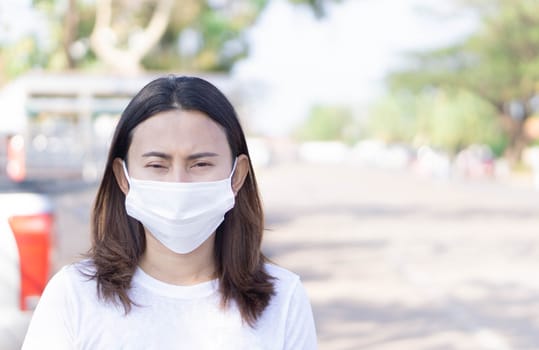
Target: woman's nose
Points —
{"points": [[180, 174]]}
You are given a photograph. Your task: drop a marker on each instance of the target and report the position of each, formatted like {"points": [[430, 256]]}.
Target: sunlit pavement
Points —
{"points": [[389, 260], [392, 261]]}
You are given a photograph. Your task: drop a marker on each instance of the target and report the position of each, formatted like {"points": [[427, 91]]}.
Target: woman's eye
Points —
{"points": [[201, 164], [155, 166]]}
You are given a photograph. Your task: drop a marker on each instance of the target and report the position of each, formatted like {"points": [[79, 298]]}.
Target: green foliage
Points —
{"points": [[499, 62], [393, 118], [220, 34], [449, 120], [221, 30], [19, 57], [328, 123], [461, 119]]}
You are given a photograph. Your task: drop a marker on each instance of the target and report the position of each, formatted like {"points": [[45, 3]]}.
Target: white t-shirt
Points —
{"points": [[70, 316]]}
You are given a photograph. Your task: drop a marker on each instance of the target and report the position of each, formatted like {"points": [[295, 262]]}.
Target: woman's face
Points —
{"points": [[179, 146]]}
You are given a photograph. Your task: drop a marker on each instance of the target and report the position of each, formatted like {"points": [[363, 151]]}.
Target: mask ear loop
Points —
{"points": [[233, 168], [125, 172]]}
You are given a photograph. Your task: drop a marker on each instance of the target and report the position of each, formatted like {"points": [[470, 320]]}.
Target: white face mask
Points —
{"points": [[181, 215]]}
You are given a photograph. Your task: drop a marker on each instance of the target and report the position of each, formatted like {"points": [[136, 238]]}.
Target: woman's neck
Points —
{"points": [[180, 269]]}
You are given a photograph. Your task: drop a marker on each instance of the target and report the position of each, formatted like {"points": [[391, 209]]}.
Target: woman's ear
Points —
{"points": [[119, 174], [242, 169]]}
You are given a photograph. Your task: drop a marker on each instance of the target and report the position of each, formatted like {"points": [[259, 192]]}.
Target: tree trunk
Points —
{"points": [[128, 60], [71, 21], [517, 138]]}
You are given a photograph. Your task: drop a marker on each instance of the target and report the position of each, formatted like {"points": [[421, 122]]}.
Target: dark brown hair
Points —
{"points": [[118, 240]]}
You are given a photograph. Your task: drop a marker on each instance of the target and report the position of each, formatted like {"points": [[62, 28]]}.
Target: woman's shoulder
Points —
{"points": [[279, 271], [284, 279], [290, 299], [79, 268], [74, 275]]}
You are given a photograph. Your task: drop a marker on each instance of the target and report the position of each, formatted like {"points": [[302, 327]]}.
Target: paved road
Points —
{"points": [[391, 261]]}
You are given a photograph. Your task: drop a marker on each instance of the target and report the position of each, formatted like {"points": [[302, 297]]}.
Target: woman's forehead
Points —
{"points": [[180, 131]]}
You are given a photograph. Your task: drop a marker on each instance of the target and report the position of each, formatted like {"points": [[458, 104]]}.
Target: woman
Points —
{"points": [[177, 227]]}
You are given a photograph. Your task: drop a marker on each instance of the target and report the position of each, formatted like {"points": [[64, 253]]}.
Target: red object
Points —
{"points": [[33, 236]]}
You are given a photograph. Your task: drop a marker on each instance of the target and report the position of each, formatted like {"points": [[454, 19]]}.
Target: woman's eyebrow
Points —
{"points": [[157, 154], [167, 156], [202, 155]]}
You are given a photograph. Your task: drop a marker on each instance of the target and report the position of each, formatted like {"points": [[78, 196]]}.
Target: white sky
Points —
{"points": [[17, 19], [339, 59]]}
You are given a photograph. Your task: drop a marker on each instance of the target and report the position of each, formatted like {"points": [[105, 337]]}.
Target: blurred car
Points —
{"points": [[432, 163], [323, 152], [476, 162], [26, 223], [376, 153]]}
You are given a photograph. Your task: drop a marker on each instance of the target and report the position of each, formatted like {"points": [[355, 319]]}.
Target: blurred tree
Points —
{"points": [[394, 118], [18, 57], [455, 120], [499, 63], [126, 55], [449, 120], [328, 123], [131, 35]]}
